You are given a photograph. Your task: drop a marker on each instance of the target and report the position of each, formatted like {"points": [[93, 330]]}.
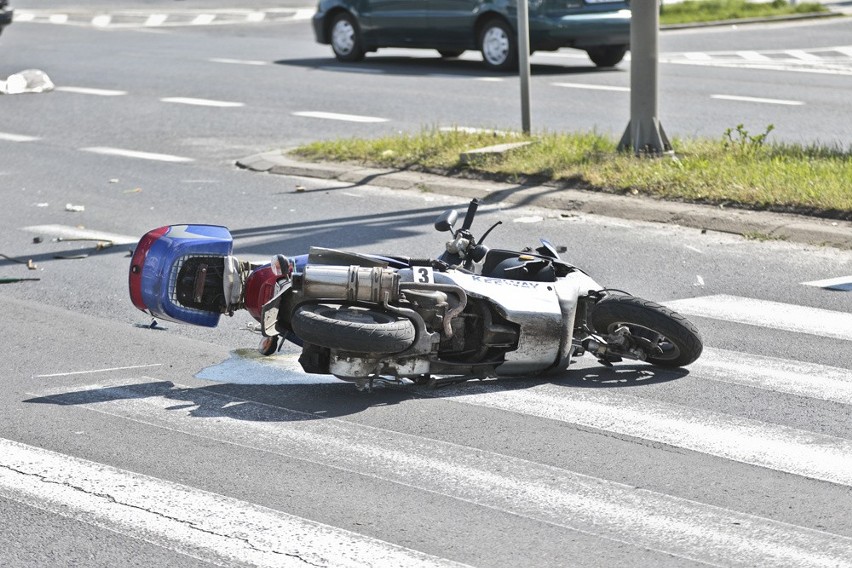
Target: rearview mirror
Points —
{"points": [[446, 220]]}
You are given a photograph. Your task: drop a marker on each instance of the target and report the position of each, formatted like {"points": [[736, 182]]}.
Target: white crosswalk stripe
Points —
{"points": [[763, 313], [777, 375], [193, 522], [552, 494], [644, 518], [173, 18]]}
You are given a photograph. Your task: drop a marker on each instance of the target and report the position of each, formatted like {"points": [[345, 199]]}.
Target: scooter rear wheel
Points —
{"points": [[668, 338], [352, 328]]}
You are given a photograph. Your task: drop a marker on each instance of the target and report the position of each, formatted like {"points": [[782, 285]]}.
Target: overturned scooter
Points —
{"points": [[473, 312]]}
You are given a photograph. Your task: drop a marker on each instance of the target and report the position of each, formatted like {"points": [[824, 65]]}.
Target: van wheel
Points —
{"points": [[607, 55], [498, 46], [346, 39]]}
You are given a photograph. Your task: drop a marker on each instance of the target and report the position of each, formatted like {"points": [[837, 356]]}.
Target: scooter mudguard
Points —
{"points": [[156, 267]]}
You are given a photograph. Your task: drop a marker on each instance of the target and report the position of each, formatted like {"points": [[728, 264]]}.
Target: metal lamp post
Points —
{"points": [[644, 134]]}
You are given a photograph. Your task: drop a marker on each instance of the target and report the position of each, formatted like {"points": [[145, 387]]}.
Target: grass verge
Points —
{"points": [[695, 11], [739, 170]]}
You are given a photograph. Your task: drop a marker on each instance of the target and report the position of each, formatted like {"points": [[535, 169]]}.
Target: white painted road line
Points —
{"points": [[844, 283], [757, 100], [102, 20], [135, 154], [592, 87], [90, 91], [781, 448], [610, 510], [777, 375], [196, 523], [802, 55], [239, 61], [203, 19], [247, 366], [74, 233], [9, 137], [336, 116], [697, 56], [774, 315], [201, 102], [752, 56], [93, 371], [304, 14], [156, 19]]}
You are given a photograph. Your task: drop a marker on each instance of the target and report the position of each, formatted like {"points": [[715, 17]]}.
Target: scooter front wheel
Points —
{"points": [[667, 338], [352, 328]]}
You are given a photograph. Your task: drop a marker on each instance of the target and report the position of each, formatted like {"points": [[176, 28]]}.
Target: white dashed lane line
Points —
{"points": [[592, 87], [843, 284], [90, 91], [756, 100], [201, 102], [9, 137], [336, 116], [106, 151], [238, 61]]}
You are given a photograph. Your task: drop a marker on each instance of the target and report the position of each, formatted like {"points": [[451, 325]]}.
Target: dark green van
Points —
{"points": [[5, 14], [355, 27]]}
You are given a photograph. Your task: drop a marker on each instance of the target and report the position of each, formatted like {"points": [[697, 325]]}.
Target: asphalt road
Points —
{"points": [[126, 445]]}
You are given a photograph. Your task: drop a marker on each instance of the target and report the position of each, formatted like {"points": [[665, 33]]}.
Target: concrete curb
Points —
{"points": [[760, 224]]}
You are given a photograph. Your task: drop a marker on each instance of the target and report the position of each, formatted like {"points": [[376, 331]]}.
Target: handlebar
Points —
{"points": [[471, 212]]}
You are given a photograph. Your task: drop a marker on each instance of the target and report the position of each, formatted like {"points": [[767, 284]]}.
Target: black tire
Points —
{"points": [[607, 55], [498, 44], [352, 328], [450, 53], [345, 37], [652, 325]]}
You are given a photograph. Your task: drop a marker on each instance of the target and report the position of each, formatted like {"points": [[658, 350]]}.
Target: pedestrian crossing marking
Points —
{"points": [[548, 494], [141, 18], [763, 313], [199, 524], [777, 375], [843, 283]]}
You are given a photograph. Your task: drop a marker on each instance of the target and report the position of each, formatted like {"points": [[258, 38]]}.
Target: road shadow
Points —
{"points": [[411, 66], [297, 236], [619, 376], [253, 403], [316, 400]]}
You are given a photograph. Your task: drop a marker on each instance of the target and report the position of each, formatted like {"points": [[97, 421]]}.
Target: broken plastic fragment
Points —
{"points": [[26, 81], [75, 208]]}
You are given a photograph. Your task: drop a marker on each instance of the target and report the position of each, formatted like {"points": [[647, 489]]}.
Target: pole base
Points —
{"points": [[646, 139]]}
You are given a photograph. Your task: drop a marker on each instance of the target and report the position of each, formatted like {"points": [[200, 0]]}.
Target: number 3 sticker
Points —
{"points": [[425, 275]]}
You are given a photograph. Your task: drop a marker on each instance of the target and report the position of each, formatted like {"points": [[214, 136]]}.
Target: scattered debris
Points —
{"points": [[114, 180], [26, 81], [31, 265], [134, 190], [37, 240], [16, 280], [44, 204], [29, 262], [75, 208], [699, 281], [300, 188], [77, 256], [153, 325]]}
